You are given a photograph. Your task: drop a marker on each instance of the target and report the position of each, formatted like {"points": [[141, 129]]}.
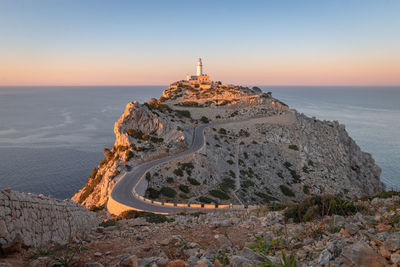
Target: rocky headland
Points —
{"points": [[271, 155], [313, 197]]}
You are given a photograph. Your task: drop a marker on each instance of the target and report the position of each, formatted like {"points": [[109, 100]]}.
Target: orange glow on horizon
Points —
{"points": [[305, 72]]}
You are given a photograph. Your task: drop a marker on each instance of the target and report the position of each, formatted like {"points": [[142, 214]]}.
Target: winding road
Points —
{"points": [[123, 190], [124, 193]]}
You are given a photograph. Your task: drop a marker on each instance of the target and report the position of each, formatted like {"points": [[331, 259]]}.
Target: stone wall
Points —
{"points": [[40, 220]]}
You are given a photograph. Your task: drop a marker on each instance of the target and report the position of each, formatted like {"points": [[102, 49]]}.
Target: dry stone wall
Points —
{"points": [[40, 220]]}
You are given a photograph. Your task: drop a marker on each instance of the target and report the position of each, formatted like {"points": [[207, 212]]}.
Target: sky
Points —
{"points": [[127, 42]]}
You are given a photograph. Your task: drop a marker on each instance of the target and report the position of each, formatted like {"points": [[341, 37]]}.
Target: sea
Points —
{"points": [[51, 137]]}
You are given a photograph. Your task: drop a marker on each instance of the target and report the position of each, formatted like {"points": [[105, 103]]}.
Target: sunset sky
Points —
{"points": [[83, 42]]}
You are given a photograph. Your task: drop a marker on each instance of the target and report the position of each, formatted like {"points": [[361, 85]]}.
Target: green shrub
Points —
{"points": [[137, 134], [184, 188], [295, 176], [222, 131], [227, 184], [317, 206], [222, 258], [148, 176], [96, 208], [310, 163], [193, 181], [305, 169], [244, 133], [178, 172], [230, 162], [206, 200], [232, 174], [286, 191], [153, 193], [183, 196], [280, 174], [265, 197], [188, 167], [306, 189], [108, 223], [150, 217], [168, 192], [246, 184], [219, 194], [204, 119], [293, 147], [287, 164], [156, 139], [170, 180], [129, 155]]}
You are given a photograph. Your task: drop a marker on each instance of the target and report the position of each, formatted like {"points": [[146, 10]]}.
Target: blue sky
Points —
{"points": [[157, 42]]}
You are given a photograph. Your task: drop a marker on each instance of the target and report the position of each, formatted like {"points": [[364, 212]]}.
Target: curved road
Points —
{"points": [[123, 190]]}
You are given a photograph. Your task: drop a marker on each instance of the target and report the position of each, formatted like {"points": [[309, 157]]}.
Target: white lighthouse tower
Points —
{"points": [[199, 68]]}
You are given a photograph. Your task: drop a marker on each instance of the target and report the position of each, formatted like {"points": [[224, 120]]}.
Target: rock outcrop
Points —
{"points": [[271, 155], [41, 220], [239, 238]]}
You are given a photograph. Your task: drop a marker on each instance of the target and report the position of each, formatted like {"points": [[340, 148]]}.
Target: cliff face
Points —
{"points": [[276, 159], [270, 155], [143, 132]]}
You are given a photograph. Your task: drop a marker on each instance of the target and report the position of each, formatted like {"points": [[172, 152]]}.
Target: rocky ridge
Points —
{"points": [[275, 156]]}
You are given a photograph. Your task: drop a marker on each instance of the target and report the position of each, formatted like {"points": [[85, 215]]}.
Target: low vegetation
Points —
{"points": [[219, 194], [150, 217], [286, 191], [184, 188], [319, 206], [168, 192], [193, 181]]}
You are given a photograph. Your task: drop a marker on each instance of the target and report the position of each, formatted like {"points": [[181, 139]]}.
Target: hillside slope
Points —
{"points": [[275, 156]]}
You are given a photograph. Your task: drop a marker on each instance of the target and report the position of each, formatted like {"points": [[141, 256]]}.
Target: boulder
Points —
{"points": [[392, 243], [324, 257], [395, 258], [201, 263], [147, 261], [130, 261], [338, 220], [240, 261], [351, 228], [177, 263], [251, 255], [361, 254]]}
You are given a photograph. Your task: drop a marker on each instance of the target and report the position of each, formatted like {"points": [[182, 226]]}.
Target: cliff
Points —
{"points": [[268, 153]]}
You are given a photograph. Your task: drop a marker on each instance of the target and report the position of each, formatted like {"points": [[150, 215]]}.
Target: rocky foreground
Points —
{"points": [[366, 234]]}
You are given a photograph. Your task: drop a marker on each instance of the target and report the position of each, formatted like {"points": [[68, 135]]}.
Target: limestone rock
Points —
{"points": [[392, 243], [177, 263], [239, 261], [130, 261], [361, 254]]}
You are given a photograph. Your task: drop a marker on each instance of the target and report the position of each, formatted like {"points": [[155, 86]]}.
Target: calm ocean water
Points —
{"points": [[51, 137]]}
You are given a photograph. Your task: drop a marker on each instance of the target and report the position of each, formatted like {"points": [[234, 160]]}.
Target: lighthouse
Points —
{"points": [[199, 68]]}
